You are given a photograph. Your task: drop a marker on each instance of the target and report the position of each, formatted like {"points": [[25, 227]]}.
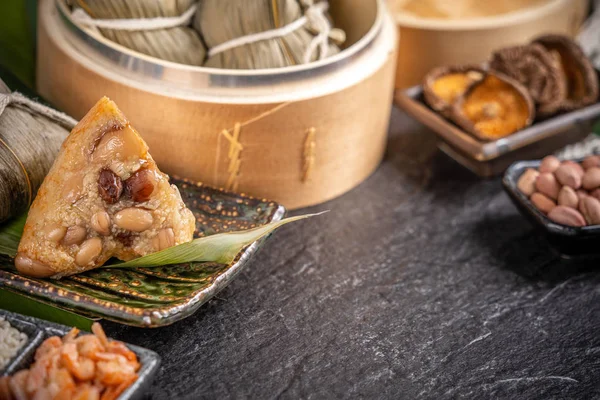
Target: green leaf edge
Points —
{"points": [[221, 248]]}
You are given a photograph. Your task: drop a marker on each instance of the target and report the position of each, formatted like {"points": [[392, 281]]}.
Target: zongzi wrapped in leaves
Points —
{"points": [[227, 22], [179, 44], [30, 138], [104, 197]]}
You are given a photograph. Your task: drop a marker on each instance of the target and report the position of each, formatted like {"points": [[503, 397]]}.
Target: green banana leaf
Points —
{"points": [[221, 248]]}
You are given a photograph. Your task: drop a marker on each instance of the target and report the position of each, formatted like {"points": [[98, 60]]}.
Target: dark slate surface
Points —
{"points": [[422, 283]]}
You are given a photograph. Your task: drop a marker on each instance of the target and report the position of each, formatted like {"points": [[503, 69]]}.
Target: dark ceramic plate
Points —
{"points": [[152, 297], [570, 242], [38, 330]]}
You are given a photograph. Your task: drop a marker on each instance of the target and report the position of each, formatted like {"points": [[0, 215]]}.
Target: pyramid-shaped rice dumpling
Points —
{"points": [[103, 197]]}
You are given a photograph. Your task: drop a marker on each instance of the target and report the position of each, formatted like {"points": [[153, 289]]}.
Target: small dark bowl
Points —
{"points": [[38, 330], [569, 242]]}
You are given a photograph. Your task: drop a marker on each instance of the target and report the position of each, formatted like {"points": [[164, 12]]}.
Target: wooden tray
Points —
{"points": [[491, 158]]}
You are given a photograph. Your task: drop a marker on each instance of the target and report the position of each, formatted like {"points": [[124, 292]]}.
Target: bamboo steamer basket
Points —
{"points": [[428, 43], [299, 135]]}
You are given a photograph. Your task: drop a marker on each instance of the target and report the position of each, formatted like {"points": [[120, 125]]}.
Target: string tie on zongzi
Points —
{"points": [[17, 99], [135, 24], [158, 28], [319, 23], [314, 18]]}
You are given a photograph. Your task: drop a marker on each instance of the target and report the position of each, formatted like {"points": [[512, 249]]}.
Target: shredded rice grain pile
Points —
{"points": [[11, 341]]}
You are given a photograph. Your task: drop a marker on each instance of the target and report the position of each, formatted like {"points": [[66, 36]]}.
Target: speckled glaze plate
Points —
{"points": [[38, 330], [153, 297]]}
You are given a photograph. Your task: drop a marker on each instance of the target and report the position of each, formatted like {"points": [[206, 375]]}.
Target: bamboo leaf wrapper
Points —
{"points": [[179, 44], [29, 142]]}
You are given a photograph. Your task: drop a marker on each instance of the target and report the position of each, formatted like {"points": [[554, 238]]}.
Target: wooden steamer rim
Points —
{"points": [[269, 85], [300, 135]]}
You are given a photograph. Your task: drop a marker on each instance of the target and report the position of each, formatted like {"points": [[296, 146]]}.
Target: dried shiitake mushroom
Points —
{"points": [[443, 85], [536, 69], [581, 78], [494, 107]]}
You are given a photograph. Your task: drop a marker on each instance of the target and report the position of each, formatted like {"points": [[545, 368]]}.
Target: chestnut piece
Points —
{"points": [[140, 185]]}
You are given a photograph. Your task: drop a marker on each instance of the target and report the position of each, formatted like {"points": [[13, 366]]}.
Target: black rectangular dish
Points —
{"points": [[569, 242], [38, 330]]}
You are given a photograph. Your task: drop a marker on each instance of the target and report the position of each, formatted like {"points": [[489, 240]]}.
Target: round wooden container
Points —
{"points": [[428, 43], [299, 135]]}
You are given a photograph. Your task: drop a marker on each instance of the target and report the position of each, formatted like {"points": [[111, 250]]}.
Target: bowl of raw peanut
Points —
{"points": [[561, 197]]}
